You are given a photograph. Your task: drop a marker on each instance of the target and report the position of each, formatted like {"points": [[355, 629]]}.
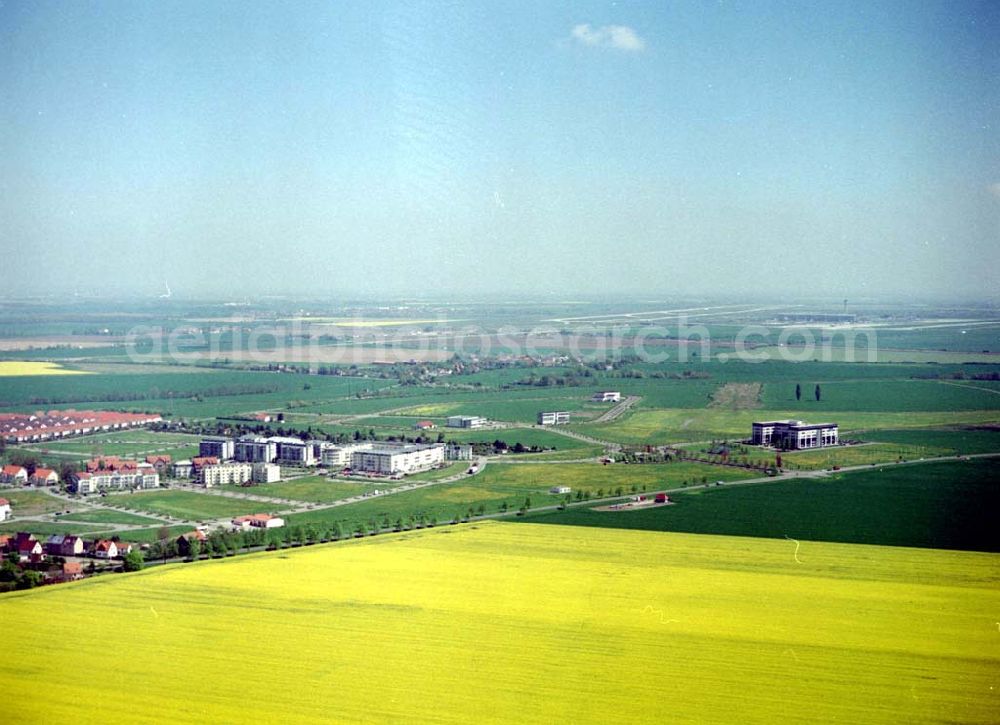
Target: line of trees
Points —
{"points": [[817, 392]]}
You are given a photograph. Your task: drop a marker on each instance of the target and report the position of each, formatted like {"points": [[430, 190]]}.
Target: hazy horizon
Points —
{"points": [[381, 149]]}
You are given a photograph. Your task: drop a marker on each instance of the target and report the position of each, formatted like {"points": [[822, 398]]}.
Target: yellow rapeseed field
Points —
{"points": [[20, 368], [518, 623]]}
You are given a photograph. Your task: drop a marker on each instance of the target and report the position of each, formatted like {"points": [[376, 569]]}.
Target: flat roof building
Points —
{"points": [[554, 418], [222, 448], [794, 434], [607, 396], [401, 459], [466, 421]]}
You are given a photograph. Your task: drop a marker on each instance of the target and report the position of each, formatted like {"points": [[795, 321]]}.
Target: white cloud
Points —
{"points": [[621, 37]]}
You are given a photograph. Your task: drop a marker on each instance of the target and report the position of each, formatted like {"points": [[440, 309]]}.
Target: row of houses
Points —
{"points": [[55, 424], [31, 550], [19, 476]]}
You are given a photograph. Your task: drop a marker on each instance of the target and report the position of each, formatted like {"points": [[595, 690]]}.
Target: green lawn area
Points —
{"points": [[512, 483], [188, 505], [129, 443], [883, 395], [315, 489], [107, 516], [45, 528], [698, 424], [25, 502], [935, 505], [823, 458], [964, 440]]}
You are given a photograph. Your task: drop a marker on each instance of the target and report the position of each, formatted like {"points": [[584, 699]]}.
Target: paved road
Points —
{"points": [[619, 409]]}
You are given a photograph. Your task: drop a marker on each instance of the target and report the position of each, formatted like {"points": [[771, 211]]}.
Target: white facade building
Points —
{"points": [[293, 451], [391, 460], [466, 421], [222, 448], [225, 473], [607, 396], [266, 473], [255, 449], [794, 434], [458, 452], [340, 456], [554, 418]]}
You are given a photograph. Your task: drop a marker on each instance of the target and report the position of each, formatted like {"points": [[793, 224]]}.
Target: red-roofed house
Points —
{"points": [[105, 549], [71, 571], [4, 509], [44, 477], [160, 462], [262, 521], [27, 546], [184, 541], [14, 474], [424, 425], [199, 462]]}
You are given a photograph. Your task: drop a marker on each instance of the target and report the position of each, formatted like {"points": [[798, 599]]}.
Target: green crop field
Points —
{"points": [[556, 621], [202, 394], [511, 483], [314, 489], [824, 458], [965, 440], [883, 395], [934, 505], [705, 424], [187, 505], [132, 443]]}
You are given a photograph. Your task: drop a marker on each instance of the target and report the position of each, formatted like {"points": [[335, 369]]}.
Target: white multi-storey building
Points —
{"points": [[340, 456], [294, 451], [794, 434], [458, 452], [222, 448], [266, 473], [225, 473], [256, 449], [554, 418], [466, 421], [401, 459]]}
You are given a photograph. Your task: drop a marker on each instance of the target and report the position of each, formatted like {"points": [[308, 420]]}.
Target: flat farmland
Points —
{"points": [[107, 516], [186, 505], [824, 458], [19, 369], [26, 502], [963, 440], [949, 505], [511, 483], [203, 393], [136, 442], [830, 633], [883, 395], [705, 424], [313, 489]]}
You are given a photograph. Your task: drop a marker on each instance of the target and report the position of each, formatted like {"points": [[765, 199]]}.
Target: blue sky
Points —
{"points": [[578, 148]]}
